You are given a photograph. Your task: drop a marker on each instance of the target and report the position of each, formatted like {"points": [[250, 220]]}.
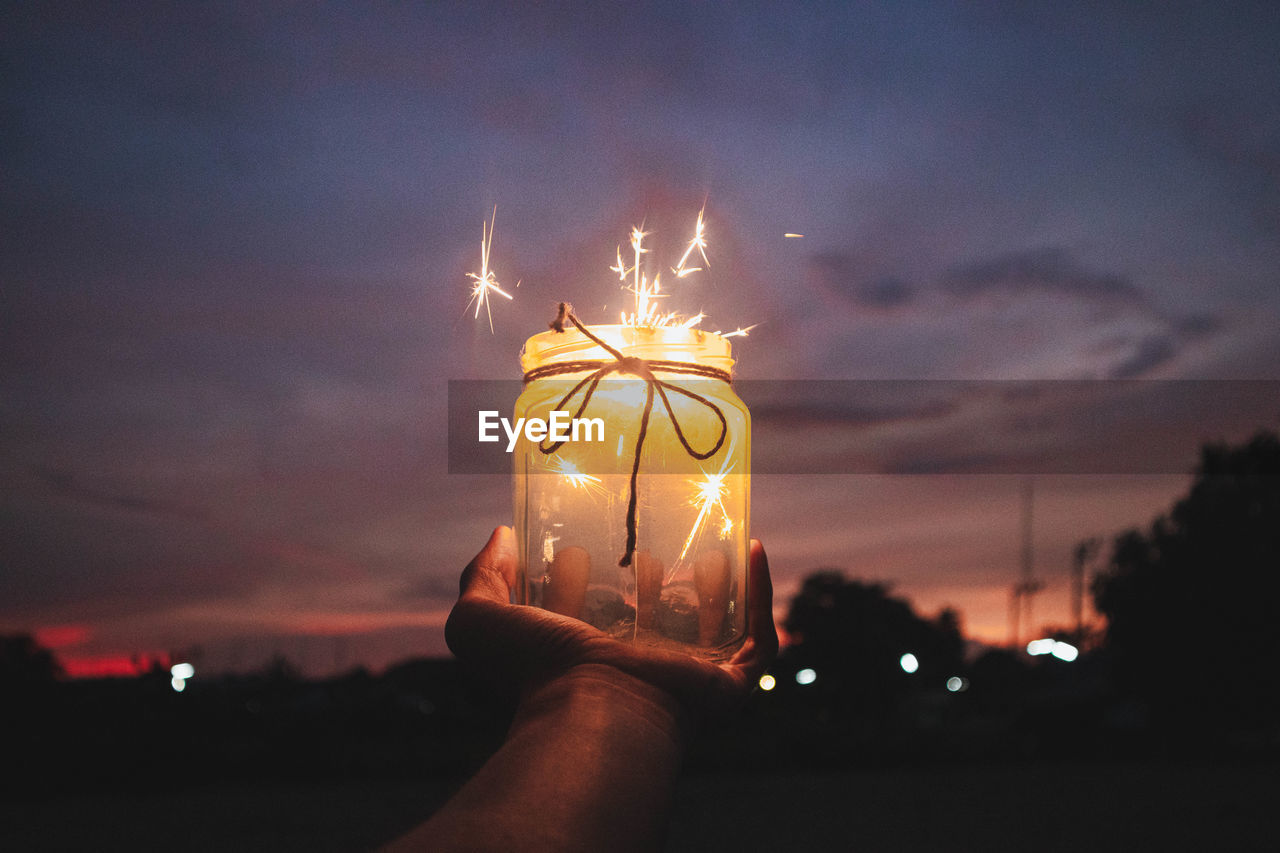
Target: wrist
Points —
{"points": [[598, 697]]}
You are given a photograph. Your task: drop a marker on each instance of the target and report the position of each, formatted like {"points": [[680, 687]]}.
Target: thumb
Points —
{"points": [[491, 575]]}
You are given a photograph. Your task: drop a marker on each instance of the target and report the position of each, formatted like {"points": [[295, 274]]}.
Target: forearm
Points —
{"points": [[590, 763]]}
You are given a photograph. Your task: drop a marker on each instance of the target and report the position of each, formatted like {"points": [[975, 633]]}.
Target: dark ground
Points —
{"points": [[1042, 806]]}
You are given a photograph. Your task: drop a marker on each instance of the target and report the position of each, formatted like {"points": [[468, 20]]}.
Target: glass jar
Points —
{"points": [[684, 585]]}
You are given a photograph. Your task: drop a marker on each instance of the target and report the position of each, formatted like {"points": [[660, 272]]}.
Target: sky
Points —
{"points": [[235, 241]]}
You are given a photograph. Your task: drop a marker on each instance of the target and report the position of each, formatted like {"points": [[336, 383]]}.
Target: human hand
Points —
{"points": [[594, 749], [527, 647]]}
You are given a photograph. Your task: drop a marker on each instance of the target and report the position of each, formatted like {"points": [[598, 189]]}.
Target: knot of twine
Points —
{"points": [[644, 369]]}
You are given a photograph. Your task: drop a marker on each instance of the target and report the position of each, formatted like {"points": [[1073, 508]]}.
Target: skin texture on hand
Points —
{"points": [[592, 757], [525, 646]]}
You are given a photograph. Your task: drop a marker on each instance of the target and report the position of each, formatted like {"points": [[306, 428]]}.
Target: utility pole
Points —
{"points": [[1084, 554], [1023, 591]]}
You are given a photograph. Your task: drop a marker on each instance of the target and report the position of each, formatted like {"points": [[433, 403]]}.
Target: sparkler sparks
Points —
{"points": [[486, 284], [698, 242], [576, 478], [646, 291], [709, 493]]}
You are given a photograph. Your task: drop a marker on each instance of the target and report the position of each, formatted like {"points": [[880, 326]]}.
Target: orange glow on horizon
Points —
{"points": [[62, 636], [337, 624], [113, 665]]}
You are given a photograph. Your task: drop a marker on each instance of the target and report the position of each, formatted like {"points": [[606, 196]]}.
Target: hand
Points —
{"points": [[527, 647], [593, 753]]}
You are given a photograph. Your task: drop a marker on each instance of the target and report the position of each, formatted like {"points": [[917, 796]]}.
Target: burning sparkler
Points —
{"points": [[698, 242], [709, 493], [647, 292], [576, 478], [486, 284]]}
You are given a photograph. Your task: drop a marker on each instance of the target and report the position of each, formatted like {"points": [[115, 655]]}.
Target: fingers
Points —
{"points": [[711, 579], [649, 573], [492, 574], [570, 575], [760, 595]]}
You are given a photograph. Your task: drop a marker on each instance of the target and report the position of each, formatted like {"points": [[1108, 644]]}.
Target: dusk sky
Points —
{"points": [[235, 246]]}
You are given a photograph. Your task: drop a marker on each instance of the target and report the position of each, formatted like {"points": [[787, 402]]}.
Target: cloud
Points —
{"points": [[1044, 427], [1150, 353], [429, 588], [1049, 270], [1113, 317], [848, 404], [66, 484], [844, 277], [1196, 326]]}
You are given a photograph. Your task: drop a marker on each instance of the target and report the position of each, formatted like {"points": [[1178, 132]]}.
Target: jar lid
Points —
{"points": [[669, 343]]}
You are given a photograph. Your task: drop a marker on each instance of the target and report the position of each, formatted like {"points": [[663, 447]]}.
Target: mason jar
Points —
{"points": [[635, 523]]}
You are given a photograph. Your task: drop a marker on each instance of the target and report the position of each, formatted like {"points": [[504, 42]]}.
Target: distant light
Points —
{"points": [[768, 682], [1065, 651], [178, 684], [792, 235], [1060, 650], [1041, 647], [908, 663], [956, 684], [182, 670], [806, 676]]}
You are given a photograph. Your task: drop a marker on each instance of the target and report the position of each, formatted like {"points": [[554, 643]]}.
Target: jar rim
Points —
{"points": [[671, 343]]}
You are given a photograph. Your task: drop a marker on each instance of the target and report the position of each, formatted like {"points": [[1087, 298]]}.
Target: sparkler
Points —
{"points": [[646, 291], [698, 242], [564, 512], [486, 284], [576, 478], [709, 493]]}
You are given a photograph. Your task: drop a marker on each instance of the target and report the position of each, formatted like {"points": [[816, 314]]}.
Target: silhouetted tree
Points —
{"points": [[1191, 604], [24, 661], [853, 633], [281, 670]]}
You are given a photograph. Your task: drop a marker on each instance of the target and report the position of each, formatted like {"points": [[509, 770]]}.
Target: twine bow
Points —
{"points": [[644, 369]]}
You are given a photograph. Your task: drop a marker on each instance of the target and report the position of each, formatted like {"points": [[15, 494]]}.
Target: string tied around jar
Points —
{"points": [[642, 368]]}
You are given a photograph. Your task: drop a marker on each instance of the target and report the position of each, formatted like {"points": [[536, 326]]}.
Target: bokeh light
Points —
{"points": [[1065, 651]]}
